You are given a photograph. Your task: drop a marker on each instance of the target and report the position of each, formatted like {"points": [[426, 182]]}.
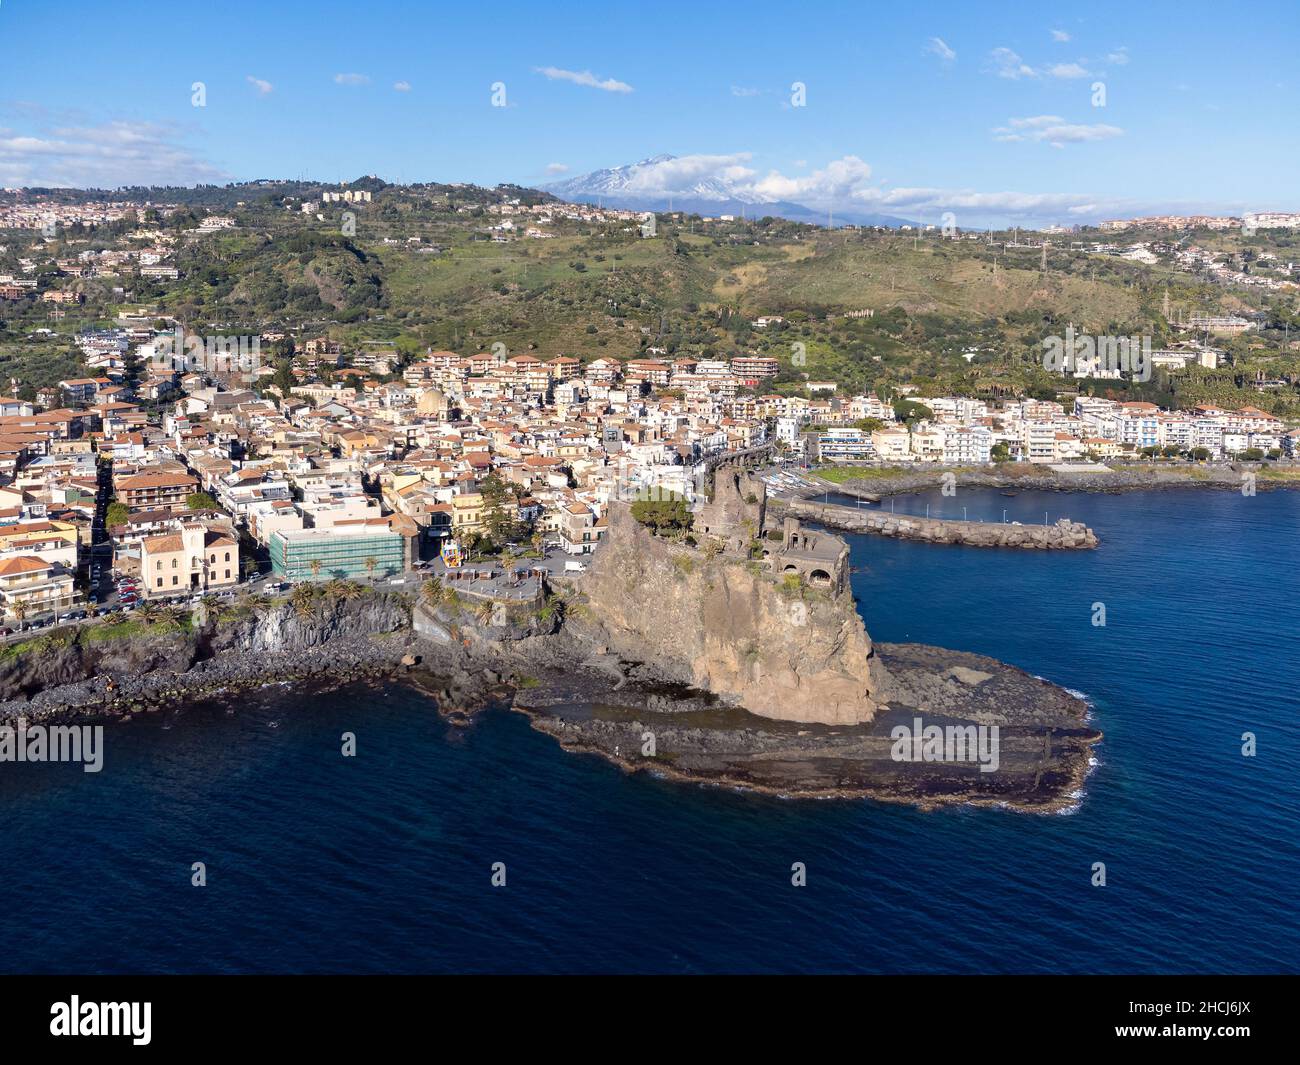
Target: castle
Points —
{"points": [[736, 514]]}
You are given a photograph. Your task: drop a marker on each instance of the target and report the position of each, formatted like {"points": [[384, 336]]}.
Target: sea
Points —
{"points": [[487, 849]]}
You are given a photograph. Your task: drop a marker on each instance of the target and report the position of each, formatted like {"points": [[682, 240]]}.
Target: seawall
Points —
{"points": [[1065, 535]]}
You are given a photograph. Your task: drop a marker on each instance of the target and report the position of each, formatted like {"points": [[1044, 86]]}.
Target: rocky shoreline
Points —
{"points": [[1044, 736], [592, 697], [600, 704]]}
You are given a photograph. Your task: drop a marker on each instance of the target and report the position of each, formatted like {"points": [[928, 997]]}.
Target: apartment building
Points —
{"points": [[30, 586], [345, 551], [155, 490]]}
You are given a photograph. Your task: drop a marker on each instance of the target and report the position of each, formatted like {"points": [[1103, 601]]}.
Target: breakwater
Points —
{"points": [[1065, 535]]}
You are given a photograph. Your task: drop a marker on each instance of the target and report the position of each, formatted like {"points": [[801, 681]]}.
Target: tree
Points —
{"points": [[910, 412], [315, 566], [662, 512], [501, 510], [1001, 452], [342, 590], [200, 501], [370, 564], [433, 591], [116, 514], [303, 599]]}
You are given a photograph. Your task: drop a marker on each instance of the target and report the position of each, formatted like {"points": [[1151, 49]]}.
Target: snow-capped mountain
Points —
{"points": [[694, 184], [653, 177]]}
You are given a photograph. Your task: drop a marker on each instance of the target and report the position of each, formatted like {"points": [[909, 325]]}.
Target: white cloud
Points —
{"points": [[104, 156], [1067, 70], [663, 177], [839, 180], [1119, 56], [1006, 64], [740, 90], [937, 46], [351, 79], [557, 168], [1060, 35], [263, 87], [584, 77], [401, 86], [1054, 130], [845, 186]]}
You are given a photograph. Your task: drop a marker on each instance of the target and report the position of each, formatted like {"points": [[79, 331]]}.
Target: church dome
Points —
{"points": [[432, 401]]}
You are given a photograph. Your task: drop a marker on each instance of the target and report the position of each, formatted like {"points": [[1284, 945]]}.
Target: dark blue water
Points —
{"points": [[383, 862]]}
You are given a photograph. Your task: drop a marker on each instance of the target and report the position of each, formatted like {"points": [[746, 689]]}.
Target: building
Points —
{"points": [[191, 560], [892, 444], [1220, 323], [843, 443], [579, 530], [31, 586], [155, 490], [345, 551]]}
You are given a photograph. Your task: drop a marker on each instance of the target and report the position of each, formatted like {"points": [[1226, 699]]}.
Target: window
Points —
{"points": [[175, 579], [227, 557], [173, 567], [160, 563], [227, 574], [160, 579]]}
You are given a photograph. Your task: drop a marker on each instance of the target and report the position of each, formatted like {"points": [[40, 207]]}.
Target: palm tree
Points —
{"points": [[315, 566], [343, 590], [370, 564], [147, 612], [303, 600], [19, 611], [433, 591]]}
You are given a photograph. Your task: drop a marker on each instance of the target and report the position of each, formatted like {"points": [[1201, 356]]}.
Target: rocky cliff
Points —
{"points": [[778, 648], [262, 637]]}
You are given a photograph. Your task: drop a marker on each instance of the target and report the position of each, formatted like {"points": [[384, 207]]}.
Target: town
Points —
{"points": [[148, 483]]}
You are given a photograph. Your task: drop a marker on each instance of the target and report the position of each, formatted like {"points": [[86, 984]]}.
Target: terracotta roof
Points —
{"points": [[22, 564]]}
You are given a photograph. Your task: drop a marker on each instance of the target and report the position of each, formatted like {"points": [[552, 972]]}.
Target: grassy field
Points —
{"points": [[844, 474]]}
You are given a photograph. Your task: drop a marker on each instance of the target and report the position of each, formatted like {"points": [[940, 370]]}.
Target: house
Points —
{"points": [[579, 530]]}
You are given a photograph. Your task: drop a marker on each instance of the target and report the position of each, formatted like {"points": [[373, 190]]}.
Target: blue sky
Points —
{"points": [[982, 109]]}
